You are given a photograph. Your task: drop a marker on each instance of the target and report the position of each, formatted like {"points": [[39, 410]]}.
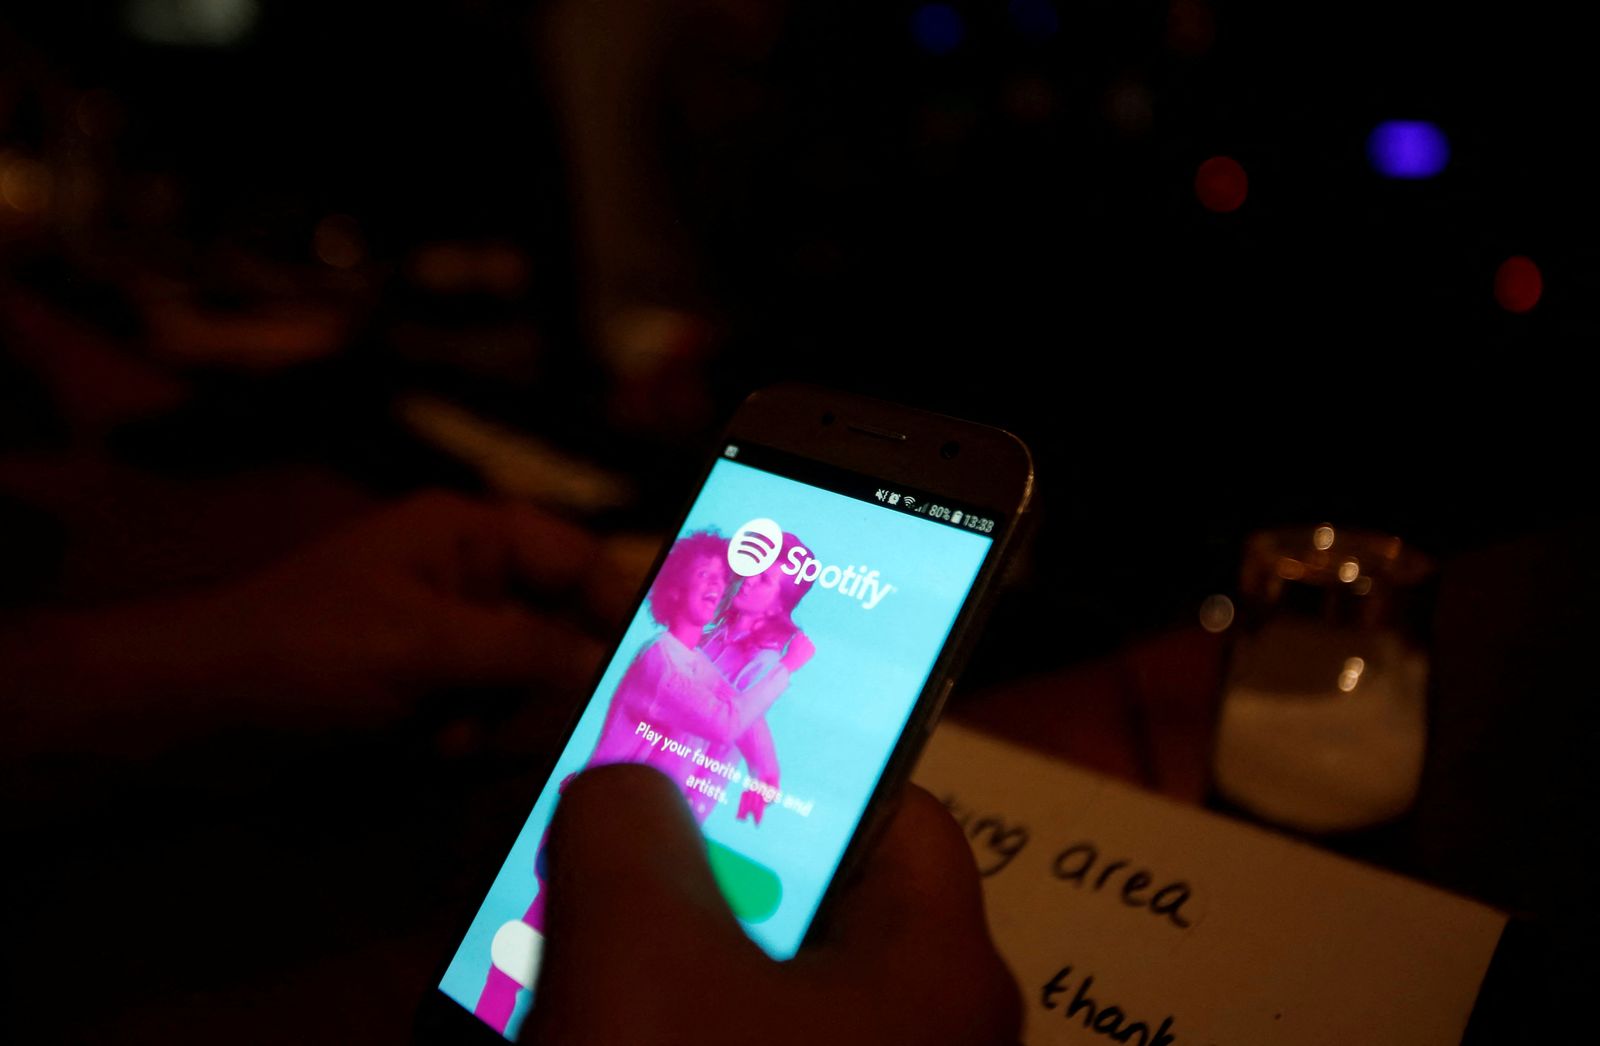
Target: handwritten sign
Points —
{"points": [[1128, 918]]}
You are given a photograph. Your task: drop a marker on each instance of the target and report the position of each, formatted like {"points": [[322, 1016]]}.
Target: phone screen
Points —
{"points": [[775, 661]]}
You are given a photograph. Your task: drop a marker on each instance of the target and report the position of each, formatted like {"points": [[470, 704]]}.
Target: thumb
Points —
{"points": [[918, 880], [631, 893], [919, 894]]}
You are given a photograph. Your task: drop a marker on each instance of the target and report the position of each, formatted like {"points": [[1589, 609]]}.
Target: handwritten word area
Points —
{"points": [[1103, 1019], [718, 776], [997, 840]]}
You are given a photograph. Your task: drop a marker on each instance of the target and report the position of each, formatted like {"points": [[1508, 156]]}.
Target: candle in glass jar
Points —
{"points": [[1323, 729]]}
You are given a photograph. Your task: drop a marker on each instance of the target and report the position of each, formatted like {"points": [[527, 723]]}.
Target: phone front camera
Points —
{"points": [[827, 417], [950, 450]]}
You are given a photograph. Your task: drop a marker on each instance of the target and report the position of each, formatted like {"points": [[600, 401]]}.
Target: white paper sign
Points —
{"points": [[1130, 918]]}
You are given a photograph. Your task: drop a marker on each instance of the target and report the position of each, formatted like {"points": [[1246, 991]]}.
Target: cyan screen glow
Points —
{"points": [[833, 727]]}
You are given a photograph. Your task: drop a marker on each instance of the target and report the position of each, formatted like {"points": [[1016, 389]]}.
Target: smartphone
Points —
{"points": [[792, 649]]}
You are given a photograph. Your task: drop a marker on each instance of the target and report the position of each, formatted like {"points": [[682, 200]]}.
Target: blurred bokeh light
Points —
{"points": [[1221, 184], [938, 28], [1408, 149], [1518, 284]]}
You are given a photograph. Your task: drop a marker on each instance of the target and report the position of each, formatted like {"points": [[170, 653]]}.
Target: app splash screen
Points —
{"points": [[886, 589]]}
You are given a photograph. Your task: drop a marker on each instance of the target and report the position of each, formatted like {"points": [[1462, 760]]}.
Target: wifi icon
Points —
{"points": [[908, 502], [754, 547]]}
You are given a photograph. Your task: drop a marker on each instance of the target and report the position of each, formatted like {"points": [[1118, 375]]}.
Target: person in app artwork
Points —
{"points": [[673, 687], [671, 692], [754, 636]]}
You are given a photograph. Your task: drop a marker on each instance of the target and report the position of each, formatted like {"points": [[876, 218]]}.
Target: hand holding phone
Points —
{"points": [[791, 652], [908, 960]]}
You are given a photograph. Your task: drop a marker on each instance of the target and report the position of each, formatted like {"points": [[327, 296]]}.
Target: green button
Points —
{"points": [[753, 890]]}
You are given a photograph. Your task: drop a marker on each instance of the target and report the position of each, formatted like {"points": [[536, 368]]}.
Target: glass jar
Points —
{"points": [[1322, 722]]}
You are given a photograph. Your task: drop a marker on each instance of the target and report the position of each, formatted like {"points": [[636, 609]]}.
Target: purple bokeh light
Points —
{"points": [[938, 28], [1408, 149]]}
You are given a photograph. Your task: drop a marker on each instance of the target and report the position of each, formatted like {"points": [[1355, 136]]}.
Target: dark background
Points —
{"points": [[1007, 231], [973, 231]]}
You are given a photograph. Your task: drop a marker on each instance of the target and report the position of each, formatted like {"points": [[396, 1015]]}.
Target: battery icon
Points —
{"points": [[955, 517]]}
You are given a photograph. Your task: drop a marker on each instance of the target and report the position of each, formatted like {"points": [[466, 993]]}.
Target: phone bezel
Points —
{"points": [[896, 444]]}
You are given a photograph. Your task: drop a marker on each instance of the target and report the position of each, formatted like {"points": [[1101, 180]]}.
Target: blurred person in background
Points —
{"points": [[353, 631], [623, 76]]}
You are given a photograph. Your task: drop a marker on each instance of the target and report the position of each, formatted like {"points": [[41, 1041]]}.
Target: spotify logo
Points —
{"points": [[754, 547]]}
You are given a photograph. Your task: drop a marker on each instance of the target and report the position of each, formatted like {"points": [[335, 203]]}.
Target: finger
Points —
{"points": [[454, 539], [920, 863], [484, 567], [919, 895], [429, 532], [631, 896], [506, 645], [546, 551], [624, 831]]}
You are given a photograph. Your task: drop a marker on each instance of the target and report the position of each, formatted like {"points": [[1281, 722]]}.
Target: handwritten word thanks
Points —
{"points": [[1103, 1020]]}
